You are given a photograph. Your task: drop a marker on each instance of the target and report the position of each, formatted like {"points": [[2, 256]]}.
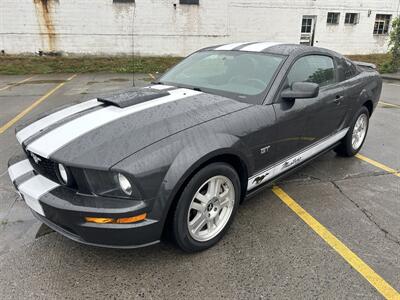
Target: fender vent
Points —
{"points": [[132, 97]]}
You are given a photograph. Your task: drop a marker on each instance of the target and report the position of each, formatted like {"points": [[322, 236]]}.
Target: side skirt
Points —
{"points": [[271, 182]]}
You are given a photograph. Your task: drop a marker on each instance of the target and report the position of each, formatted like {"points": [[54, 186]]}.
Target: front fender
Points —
{"points": [[192, 156], [160, 169]]}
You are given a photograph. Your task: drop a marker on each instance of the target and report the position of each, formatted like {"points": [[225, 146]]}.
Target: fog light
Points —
{"points": [[125, 185], [63, 173]]}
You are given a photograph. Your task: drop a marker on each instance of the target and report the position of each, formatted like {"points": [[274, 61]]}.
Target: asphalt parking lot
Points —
{"points": [[331, 230]]}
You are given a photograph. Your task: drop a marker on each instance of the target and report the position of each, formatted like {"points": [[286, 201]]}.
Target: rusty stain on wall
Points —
{"points": [[44, 12]]}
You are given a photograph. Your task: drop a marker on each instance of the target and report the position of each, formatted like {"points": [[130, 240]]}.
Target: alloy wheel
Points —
{"points": [[211, 208], [359, 131]]}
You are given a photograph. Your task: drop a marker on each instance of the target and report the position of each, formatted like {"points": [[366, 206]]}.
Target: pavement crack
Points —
{"points": [[368, 214]]}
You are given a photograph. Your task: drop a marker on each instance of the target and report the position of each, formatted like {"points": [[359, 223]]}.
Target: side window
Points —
{"points": [[313, 68]]}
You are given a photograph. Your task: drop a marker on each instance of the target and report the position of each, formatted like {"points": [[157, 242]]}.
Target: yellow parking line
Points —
{"points": [[32, 106], [378, 165], [389, 104], [14, 84], [359, 265], [152, 76]]}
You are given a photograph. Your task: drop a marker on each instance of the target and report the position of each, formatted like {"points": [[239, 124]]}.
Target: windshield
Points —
{"points": [[242, 75]]}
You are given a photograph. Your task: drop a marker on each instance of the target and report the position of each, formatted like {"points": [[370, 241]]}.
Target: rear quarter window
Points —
{"points": [[350, 70]]}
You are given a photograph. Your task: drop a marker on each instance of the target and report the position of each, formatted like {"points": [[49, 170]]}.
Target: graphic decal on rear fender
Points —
{"points": [[287, 164]]}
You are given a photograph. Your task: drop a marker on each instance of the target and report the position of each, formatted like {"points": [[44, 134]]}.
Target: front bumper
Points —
{"points": [[64, 210]]}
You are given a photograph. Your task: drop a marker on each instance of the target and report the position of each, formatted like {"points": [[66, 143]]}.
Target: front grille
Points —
{"points": [[44, 167]]}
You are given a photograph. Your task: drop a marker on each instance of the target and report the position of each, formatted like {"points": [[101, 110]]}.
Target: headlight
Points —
{"points": [[112, 184], [63, 174], [125, 185]]}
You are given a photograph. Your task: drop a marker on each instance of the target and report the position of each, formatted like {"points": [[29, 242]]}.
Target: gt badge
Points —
{"points": [[265, 149]]}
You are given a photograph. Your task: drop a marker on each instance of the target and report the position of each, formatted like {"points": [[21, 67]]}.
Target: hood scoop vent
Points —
{"points": [[132, 97]]}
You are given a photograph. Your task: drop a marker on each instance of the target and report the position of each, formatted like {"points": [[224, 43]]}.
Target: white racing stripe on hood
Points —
{"points": [[66, 133], [160, 87], [230, 46], [49, 120], [258, 47]]}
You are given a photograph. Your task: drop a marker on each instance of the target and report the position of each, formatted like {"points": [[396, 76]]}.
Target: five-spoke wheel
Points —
{"points": [[206, 207], [211, 208], [355, 137]]}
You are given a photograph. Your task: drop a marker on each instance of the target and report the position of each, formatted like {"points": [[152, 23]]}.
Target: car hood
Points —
{"points": [[109, 130]]}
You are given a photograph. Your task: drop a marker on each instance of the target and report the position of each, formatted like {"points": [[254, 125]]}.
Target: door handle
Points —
{"points": [[338, 99]]}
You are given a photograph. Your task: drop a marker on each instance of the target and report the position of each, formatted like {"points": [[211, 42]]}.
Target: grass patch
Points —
{"points": [[380, 60], [21, 65]]}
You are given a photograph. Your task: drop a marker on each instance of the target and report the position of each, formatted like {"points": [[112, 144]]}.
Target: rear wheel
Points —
{"points": [[355, 137], [206, 207]]}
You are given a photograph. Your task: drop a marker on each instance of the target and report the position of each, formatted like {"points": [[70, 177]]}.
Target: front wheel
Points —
{"points": [[355, 137], [206, 207]]}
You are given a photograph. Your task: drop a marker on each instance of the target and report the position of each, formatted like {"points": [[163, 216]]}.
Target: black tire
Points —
{"points": [[180, 218], [346, 148]]}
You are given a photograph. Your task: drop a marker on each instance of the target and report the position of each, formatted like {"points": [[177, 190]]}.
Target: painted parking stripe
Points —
{"points": [[378, 165], [292, 161], [19, 169], [349, 256], [61, 136], [230, 46], [32, 106], [258, 47], [389, 104], [15, 84], [49, 120], [33, 189]]}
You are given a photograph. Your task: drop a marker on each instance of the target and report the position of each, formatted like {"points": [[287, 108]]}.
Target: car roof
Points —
{"points": [[272, 47]]}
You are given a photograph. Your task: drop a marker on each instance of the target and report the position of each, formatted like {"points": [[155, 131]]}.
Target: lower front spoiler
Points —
{"points": [[65, 211], [78, 239]]}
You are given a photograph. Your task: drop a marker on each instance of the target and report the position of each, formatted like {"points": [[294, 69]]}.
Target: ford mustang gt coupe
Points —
{"points": [[179, 156]]}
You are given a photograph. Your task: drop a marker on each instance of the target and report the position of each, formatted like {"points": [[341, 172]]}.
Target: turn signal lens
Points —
{"points": [[132, 219], [99, 220], [118, 221]]}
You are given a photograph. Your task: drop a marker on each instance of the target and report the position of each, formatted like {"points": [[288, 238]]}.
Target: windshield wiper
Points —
{"points": [[156, 82]]}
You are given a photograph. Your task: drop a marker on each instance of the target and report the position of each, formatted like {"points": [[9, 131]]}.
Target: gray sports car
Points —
{"points": [[179, 156]]}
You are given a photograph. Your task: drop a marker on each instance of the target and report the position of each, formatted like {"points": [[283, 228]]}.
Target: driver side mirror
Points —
{"points": [[300, 90]]}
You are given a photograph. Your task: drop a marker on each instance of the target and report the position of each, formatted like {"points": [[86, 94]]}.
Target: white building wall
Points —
{"points": [[103, 27]]}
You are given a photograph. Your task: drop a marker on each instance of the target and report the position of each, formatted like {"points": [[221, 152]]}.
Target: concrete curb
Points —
{"points": [[394, 76]]}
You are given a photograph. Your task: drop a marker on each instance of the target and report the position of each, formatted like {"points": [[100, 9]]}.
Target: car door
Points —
{"points": [[312, 119]]}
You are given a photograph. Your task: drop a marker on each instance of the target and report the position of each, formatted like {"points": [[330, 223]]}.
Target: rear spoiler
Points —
{"points": [[365, 64]]}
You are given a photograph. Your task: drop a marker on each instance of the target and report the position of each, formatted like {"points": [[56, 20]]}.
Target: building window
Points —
{"points": [[306, 25], [351, 18], [195, 2], [382, 24], [333, 18]]}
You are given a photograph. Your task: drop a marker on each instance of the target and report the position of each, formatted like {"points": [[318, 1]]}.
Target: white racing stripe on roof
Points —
{"points": [[49, 120], [230, 46], [66, 133], [258, 47]]}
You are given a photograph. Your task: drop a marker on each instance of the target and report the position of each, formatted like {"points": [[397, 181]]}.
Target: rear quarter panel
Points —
{"points": [[366, 86]]}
